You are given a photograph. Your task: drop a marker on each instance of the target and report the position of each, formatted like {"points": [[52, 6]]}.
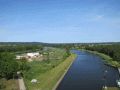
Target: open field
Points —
{"points": [[48, 71], [47, 80]]}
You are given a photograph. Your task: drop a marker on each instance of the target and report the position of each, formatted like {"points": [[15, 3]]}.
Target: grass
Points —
{"points": [[107, 59], [55, 53], [47, 80], [47, 72], [37, 67]]}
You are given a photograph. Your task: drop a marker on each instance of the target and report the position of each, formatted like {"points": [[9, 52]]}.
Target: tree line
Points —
{"points": [[19, 48], [111, 50]]}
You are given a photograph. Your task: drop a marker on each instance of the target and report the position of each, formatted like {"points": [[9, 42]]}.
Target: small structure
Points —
{"points": [[34, 81], [33, 55], [30, 56], [20, 56]]}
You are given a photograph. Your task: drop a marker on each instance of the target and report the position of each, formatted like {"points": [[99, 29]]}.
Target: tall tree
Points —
{"points": [[8, 65]]}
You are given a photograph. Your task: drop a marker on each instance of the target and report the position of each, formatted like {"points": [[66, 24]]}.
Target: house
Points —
{"points": [[33, 55], [20, 56], [30, 56]]}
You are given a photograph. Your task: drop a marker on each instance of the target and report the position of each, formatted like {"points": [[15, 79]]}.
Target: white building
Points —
{"points": [[19, 57], [33, 54], [30, 56]]}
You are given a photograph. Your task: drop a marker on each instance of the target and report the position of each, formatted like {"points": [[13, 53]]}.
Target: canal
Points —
{"points": [[88, 72]]}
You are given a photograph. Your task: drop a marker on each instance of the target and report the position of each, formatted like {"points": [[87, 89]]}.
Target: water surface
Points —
{"points": [[88, 72]]}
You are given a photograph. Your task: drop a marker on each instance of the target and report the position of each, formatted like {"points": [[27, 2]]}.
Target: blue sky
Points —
{"points": [[59, 21]]}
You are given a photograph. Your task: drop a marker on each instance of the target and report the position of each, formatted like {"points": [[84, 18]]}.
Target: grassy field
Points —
{"points": [[107, 59], [47, 80], [47, 72], [39, 67]]}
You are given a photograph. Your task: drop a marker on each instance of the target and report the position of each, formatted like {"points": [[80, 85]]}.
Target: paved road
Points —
{"points": [[21, 84]]}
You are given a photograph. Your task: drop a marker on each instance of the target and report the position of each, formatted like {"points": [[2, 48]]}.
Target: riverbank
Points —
{"points": [[61, 78], [107, 59], [50, 79]]}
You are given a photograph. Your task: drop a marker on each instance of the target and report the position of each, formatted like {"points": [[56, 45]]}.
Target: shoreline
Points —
{"points": [[95, 53], [106, 59], [62, 77]]}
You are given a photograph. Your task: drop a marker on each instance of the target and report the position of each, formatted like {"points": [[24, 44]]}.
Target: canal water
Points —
{"points": [[88, 72]]}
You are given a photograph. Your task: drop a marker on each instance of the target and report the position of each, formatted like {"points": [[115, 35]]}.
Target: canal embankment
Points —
{"points": [[107, 59], [88, 73], [109, 62], [65, 71]]}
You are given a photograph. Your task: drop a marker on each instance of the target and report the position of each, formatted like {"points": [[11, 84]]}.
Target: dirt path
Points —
{"points": [[21, 84]]}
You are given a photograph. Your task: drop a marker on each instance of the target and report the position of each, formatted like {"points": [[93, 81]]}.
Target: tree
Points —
{"points": [[112, 50], [8, 65], [23, 66]]}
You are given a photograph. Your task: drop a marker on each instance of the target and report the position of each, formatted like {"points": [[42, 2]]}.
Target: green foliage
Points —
{"points": [[20, 48], [112, 50], [8, 65], [23, 65], [47, 74], [56, 56], [37, 68]]}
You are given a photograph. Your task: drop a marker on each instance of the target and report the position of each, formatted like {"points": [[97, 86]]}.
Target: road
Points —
{"points": [[21, 84]]}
